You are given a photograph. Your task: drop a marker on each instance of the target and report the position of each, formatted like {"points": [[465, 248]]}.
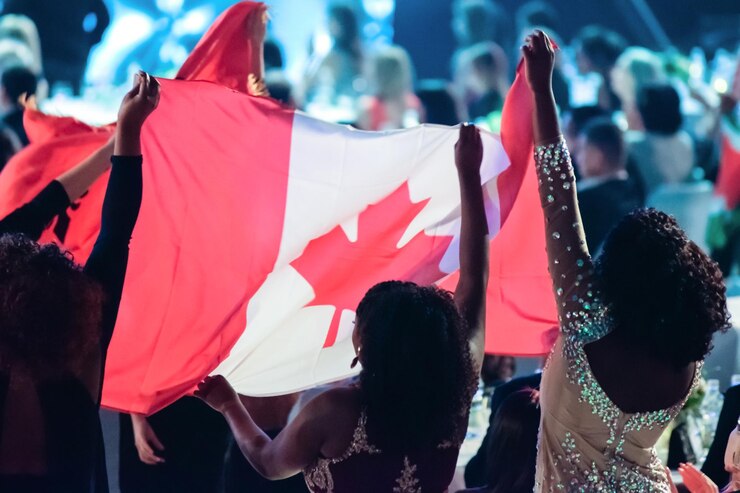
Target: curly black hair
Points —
{"points": [[50, 310], [662, 290], [417, 378]]}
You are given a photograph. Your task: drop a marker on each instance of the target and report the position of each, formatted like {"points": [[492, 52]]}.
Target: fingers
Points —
{"points": [[204, 388], [670, 481], [145, 87], [147, 455], [468, 131], [155, 442], [537, 43], [695, 480], [141, 89], [153, 90]]}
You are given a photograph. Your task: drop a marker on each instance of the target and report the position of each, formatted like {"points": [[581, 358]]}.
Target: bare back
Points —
{"points": [[634, 379]]}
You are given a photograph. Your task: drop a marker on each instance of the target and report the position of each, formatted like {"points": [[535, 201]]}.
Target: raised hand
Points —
{"points": [[136, 106], [539, 60], [139, 102], [469, 150], [217, 393]]}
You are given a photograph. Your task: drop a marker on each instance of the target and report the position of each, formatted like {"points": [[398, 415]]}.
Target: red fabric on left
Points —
{"points": [[57, 144], [183, 272], [223, 56]]}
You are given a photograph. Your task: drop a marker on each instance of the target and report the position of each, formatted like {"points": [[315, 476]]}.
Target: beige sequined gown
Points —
{"points": [[586, 443]]}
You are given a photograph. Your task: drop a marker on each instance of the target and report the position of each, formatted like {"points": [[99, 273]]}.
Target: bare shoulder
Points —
{"points": [[335, 412], [334, 402]]}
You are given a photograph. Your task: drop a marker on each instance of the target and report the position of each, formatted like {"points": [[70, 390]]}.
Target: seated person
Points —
{"points": [[662, 153], [512, 449], [476, 470], [605, 192]]}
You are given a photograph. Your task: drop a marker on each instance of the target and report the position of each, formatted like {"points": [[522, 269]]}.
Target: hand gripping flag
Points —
{"points": [[261, 228]]}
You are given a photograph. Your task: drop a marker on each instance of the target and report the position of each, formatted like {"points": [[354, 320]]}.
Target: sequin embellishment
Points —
{"points": [[605, 458], [407, 483], [318, 476]]}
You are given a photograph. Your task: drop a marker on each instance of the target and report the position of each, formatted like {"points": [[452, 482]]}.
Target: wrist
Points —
{"points": [[231, 406], [128, 141], [468, 173]]}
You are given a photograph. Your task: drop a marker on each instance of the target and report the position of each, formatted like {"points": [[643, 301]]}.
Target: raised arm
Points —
{"points": [[569, 261], [470, 294], [32, 218], [108, 260], [79, 179]]}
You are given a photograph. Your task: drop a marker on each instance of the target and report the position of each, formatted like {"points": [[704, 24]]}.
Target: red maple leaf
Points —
{"points": [[341, 271]]}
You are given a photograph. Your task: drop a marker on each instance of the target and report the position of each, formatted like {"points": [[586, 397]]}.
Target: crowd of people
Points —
{"points": [[639, 300]]}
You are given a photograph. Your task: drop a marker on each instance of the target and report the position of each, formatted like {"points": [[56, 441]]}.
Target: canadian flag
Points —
{"points": [[261, 228]]}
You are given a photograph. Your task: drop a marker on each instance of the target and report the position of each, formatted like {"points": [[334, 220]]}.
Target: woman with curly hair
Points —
{"points": [[57, 319], [635, 325], [401, 426]]}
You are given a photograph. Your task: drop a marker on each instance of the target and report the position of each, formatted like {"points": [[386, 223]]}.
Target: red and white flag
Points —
{"points": [[261, 228]]}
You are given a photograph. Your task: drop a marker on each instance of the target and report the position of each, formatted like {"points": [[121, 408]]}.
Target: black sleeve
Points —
{"points": [[714, 466], [108, 260], [32, 218]]}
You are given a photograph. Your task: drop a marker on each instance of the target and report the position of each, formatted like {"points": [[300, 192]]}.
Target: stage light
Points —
{"points": [[379, 9], [720, 85]]}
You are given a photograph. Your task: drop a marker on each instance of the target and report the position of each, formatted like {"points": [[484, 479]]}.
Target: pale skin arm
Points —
{"points": [[79, 179], [146, 441], [470, 294]]}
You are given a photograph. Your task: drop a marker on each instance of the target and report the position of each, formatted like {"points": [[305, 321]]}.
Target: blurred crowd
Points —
{"points": [[643, 126]]}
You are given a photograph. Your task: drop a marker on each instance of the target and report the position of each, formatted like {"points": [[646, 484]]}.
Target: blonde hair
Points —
{"points": [[636, 67], [392, 73]]}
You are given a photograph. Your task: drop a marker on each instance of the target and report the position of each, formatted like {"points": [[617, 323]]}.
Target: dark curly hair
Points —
{"points": [[50, 311], [661, 289], [417, 378]]}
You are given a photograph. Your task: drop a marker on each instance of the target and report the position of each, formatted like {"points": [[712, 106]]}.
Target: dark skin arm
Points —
{"points": [[569, 261], [470, 294]]}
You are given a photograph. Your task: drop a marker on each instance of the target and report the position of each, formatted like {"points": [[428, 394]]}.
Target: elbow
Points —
{"points": [[270, 473], [264, 464], [265, 471]]}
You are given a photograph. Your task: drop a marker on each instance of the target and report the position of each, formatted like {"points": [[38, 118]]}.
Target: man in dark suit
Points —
{"points": [[68, 30], [606, 193]]}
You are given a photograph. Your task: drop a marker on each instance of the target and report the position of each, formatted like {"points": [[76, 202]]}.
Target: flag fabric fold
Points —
{"points": [[261, 228]]}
